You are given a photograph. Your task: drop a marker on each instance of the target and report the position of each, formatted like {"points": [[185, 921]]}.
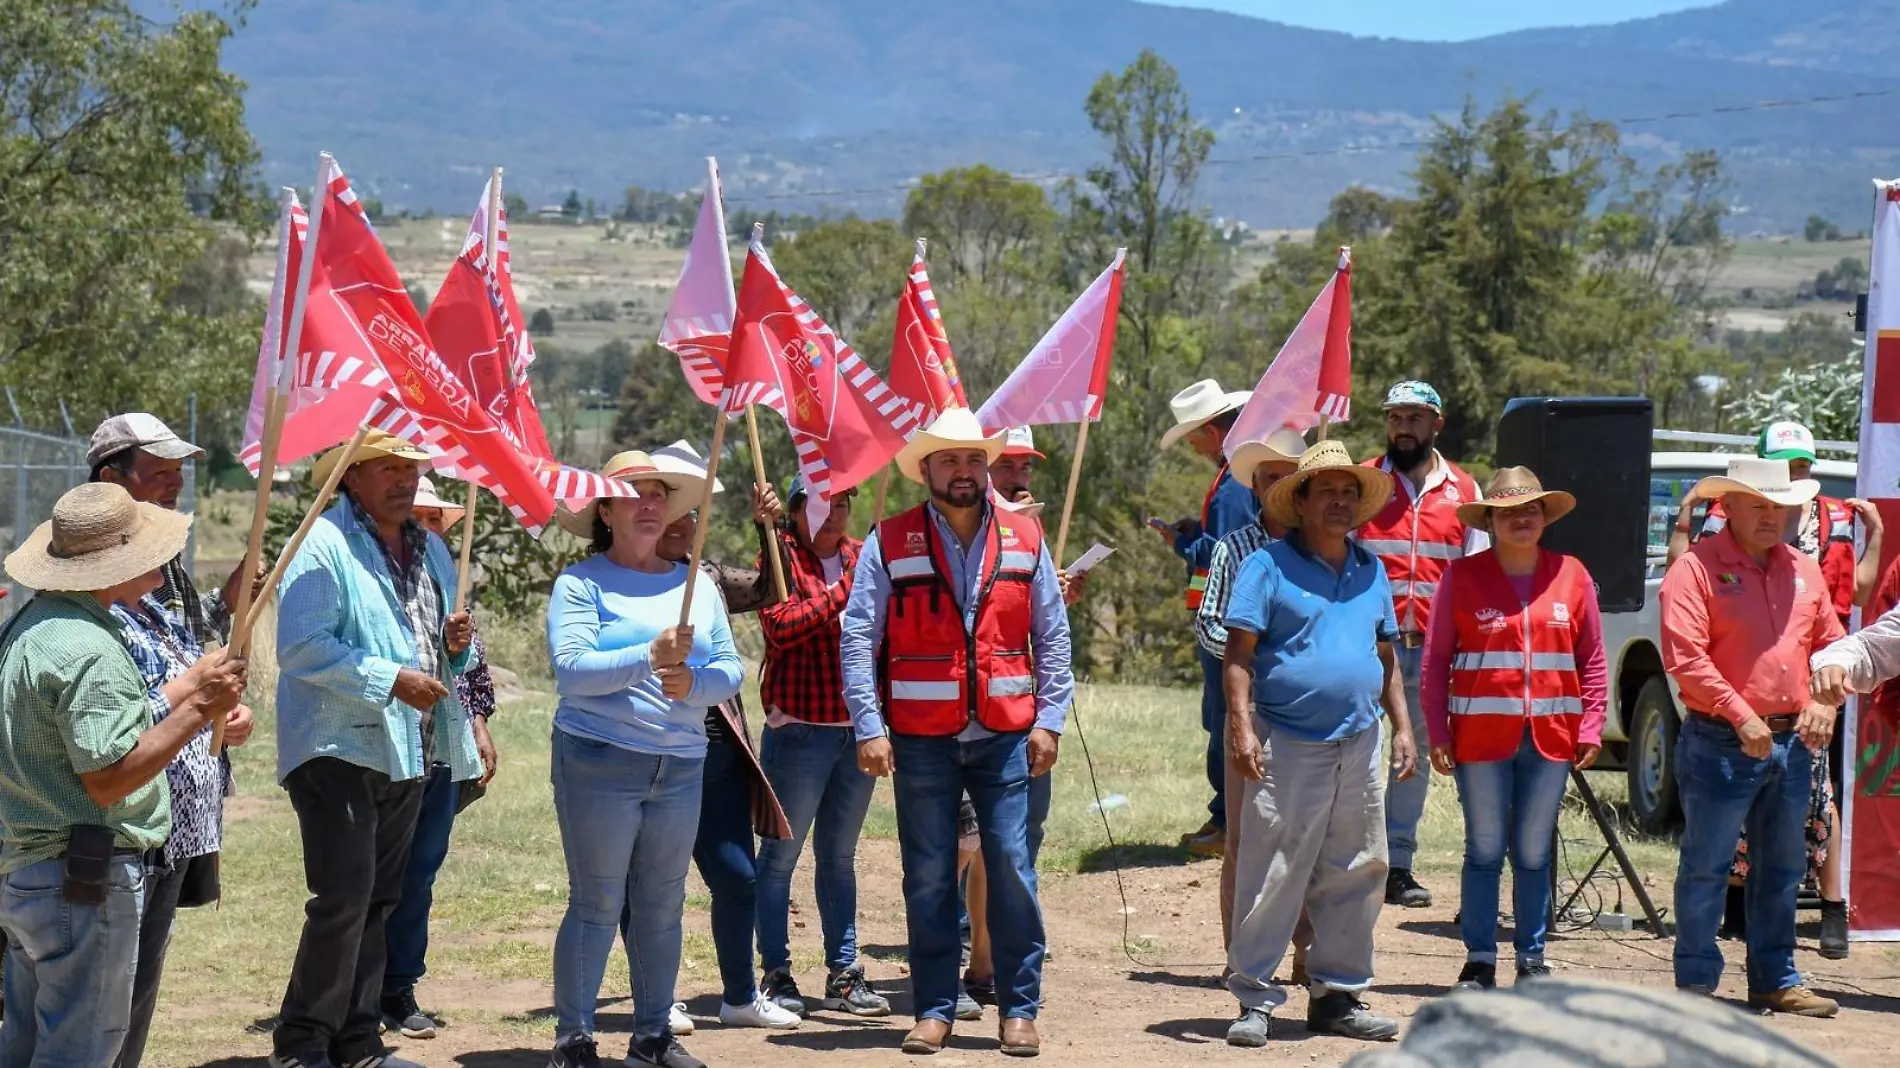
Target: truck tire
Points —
{"points": [[1578, 1023], [1651, 765]]}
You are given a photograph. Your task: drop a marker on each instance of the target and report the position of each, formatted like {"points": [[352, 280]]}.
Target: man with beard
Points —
{"points": [[955, 648], [1417, 535], [367, 654]]}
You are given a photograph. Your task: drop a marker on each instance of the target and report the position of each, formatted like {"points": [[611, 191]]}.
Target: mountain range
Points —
{"points": [[834, 105]]}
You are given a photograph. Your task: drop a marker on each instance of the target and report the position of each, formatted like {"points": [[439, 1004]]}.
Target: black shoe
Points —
{"points": [[1401, 889], [401, 1015], [313, 1059], [1342, 1014], [1477, 975], [575, 1053], [1834, 929], [1536, 969], [848, 991], [781, 989], [662, 1052]]}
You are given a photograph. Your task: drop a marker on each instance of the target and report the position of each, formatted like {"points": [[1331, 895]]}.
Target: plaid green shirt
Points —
{"points": [[71, 702]]}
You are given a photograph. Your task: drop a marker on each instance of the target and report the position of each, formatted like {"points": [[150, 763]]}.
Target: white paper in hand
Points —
{"points": [[1096, 554]]}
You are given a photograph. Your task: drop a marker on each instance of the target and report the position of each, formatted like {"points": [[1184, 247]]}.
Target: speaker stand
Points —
{"points": [[1613, 844]]}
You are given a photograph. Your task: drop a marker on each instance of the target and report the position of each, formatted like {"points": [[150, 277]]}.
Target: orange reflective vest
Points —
{"points": [[1417, 539], [938, 675], [1512, 661]]}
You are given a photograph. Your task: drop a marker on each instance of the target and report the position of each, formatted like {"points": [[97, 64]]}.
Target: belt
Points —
{"points": [[1781, 724], [123, 851], [1411, 639]]}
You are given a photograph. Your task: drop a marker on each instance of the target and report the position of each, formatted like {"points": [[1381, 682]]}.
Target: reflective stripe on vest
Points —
{"points": [[1513, 661], [1417, 538], [925, 691], [1012, 685], [1424, 591], [1512, 706], [910, 567], [1017, 561]]}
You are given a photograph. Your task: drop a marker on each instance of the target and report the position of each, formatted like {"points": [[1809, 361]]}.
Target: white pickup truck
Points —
{"points": [[1645, 709]]}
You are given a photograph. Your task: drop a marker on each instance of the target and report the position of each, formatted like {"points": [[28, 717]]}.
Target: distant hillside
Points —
{"points": [[797, 97], [1857, 36]]}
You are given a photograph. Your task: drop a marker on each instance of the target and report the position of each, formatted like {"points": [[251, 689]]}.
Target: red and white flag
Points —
{"points": [[1312, 375], [698, 324], [846, 423], [1065, 376], [923, 371], [522, 413]]}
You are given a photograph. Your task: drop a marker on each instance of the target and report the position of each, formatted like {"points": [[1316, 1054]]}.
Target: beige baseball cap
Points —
{"points": [[139, 430]]}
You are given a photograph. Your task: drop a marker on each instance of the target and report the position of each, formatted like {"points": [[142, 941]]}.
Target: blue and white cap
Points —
{"points": [[1413, 395]]}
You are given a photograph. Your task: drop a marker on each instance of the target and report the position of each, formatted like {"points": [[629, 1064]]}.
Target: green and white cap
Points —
{"points": [[1786, 440]]}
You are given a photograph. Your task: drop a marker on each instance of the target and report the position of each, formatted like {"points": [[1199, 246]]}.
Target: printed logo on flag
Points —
{"points": [[812, 388]]}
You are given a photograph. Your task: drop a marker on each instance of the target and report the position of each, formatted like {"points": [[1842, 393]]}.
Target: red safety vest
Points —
{"points": [[1512, 661], [1197, 584], [938, 677], [1418, 539]]}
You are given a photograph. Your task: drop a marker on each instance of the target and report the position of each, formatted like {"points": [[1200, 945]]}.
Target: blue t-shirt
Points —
{"points": [[602, 620], [1316, 670]]}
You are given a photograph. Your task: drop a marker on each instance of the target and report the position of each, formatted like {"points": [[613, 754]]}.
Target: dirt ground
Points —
{"points": [[1103, 1008]]}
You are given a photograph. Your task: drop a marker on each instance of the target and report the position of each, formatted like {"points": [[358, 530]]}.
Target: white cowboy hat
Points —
{"points": [[681, 458], [1753, 477], [683, 491], [376, 443], [1198, 405], [956, 428], [1375, 486], [98, 537], [427, 497], [1514, 487], [1284, 445]]}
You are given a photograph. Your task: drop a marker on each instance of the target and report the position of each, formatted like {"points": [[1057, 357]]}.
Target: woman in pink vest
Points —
{"points": [[1513, 690]]}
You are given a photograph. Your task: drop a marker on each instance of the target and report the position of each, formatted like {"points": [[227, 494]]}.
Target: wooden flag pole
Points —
{"points": [[1068, 499], [877, 503], [327, 491], [492, 246], [1324, 419], [705, 509], [758, 475]]}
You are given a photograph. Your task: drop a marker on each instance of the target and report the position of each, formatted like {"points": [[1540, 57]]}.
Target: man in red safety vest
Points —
{"points": [[1417, 536], [955, 648]]}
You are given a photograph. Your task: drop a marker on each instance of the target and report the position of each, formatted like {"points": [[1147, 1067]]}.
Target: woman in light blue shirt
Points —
{"points": [[629, 753]]}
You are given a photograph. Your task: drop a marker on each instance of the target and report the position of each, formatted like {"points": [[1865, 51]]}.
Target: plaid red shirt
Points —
{"points": [[803, 678]]}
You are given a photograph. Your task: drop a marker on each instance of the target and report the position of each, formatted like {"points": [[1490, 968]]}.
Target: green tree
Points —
{"points": [[571, 207], [1823, 396], [1819, 229], [516, 206], [541, 323], [123, 159], [851, 271]]}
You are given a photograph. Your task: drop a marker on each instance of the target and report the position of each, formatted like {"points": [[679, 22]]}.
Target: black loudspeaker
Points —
{"points": [[1596, 448]]}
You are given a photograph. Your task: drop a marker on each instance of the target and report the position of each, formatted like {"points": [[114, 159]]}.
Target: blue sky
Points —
{"points": [[1442, 20]]}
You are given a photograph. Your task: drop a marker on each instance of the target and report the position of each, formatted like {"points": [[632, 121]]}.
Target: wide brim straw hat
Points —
{"points": [[1514, 487], [956, 428], [427, 497], [98, 537], [376, 443], [1284, 445], [1375, 486], [1200, 404], [1755, 477], [682, 459], [683, 491]]}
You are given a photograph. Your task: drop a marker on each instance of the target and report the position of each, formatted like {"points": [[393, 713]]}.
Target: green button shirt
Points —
{"points": [[71, 702]]}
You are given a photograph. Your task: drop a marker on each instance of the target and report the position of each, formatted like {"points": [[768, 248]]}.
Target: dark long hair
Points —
{"points": [[603, 534]]}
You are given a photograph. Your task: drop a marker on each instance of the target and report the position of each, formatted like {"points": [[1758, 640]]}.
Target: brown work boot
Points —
{"points": [[1019, 1038], [928, 1036], [1797, 1000]]}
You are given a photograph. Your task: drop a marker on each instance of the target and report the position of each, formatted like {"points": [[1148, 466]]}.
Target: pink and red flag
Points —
{"points": [[846, 424], [923, 371], [698, 323], [1312, 375], [1065, 376]]}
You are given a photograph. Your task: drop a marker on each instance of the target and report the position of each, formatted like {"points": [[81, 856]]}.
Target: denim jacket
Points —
{"points": [[342, 637]]}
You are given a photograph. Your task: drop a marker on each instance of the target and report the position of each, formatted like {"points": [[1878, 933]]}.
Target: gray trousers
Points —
{"points": [[1312, 836]]}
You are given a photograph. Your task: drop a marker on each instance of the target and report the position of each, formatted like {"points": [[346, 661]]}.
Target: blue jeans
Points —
{"points": [[814, 771], [1405, 798], [627, 821], [406, 932], [1723, 790], [722, 851], [1509, 803], [1214, 722], [69, 967], [931, 776]]}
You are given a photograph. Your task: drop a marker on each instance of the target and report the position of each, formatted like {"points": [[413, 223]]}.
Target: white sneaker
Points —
{"points": [[677, 1021], [761, 1013]]}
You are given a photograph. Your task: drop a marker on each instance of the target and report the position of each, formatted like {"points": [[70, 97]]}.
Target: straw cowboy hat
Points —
{"points": [[376, 444], [681, 458], [1198, 405], [1754, 477], [427, 497], [98, 537], [1514, 487], [685, 488], [1375, 486], [956, 428], [1284, 445]]}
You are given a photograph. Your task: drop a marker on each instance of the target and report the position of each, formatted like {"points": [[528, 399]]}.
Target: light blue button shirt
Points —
{"points": [[865, 613]]}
